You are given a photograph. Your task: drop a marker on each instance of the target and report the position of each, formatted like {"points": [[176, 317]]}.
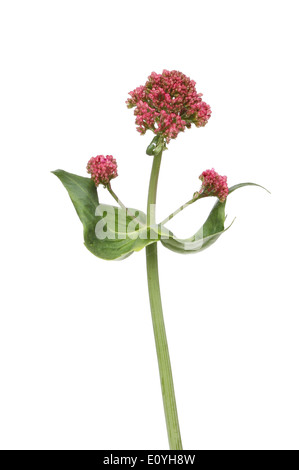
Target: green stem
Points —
{"points": [[182, 208], [115, 196], [170, 409], [129, 213]]}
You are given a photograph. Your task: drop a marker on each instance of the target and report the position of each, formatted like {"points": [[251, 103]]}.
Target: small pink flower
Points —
{"points": [[167, 104], [213, 185], [102, 169]]}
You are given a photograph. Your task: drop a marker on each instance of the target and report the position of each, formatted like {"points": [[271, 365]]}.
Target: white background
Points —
{"points": [[78, 367]]}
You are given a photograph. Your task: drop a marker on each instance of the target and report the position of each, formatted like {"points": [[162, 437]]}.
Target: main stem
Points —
{"points": [[170, 409]]}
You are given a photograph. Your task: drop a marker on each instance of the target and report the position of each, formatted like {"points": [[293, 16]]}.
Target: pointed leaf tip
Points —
{"points": [[240, 185]]}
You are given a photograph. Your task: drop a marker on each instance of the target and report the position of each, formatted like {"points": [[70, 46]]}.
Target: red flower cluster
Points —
{"points": [[213, 185], [102, 169], [167, 104]]}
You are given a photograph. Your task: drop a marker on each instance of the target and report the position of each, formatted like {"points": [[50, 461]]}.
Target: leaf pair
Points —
{"points": [[113, 233]]}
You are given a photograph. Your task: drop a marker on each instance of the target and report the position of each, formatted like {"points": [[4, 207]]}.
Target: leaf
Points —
{"points": [[109, 232], [240, 185], [208, 233], [152, 146], [82, 192], [114, 233], [156, 146]]}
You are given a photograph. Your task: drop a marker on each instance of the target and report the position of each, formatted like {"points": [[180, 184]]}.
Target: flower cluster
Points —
{"points": [[213, 185], [167, 104], [102, 169]]}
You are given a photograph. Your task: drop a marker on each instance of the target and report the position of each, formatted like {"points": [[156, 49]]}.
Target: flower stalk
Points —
{"points": [[115, 197], [168, 395], [171, 216]]}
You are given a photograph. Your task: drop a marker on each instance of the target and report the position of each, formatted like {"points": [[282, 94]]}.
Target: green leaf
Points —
{"points": [[204, 237], [152, 146], [208, 233], [82, 192], [240, 185], [114, 233], [156, 146], [109, 232]]}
